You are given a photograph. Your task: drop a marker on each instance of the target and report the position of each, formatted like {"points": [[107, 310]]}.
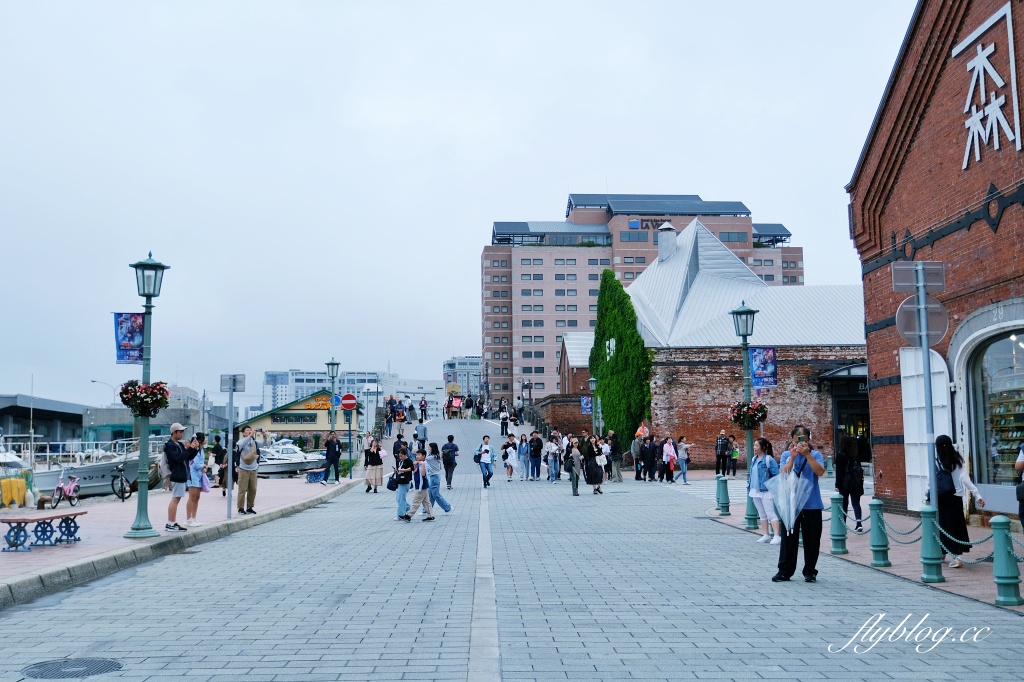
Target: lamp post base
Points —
{"points": [[146, 532]]}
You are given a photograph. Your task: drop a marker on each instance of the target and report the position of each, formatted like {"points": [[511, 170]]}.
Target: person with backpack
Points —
{"points": [[952, 481], [849, 479], [449, 452], [763, 468], [484, 459]]}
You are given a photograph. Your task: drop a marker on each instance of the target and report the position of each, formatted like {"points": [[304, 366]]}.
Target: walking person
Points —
{"points": [[574, 465], [593, 473], [523, 452], [423, 408], [536, 454], [434, 466], [615, 456], [806, 462], [421, 436], [849, 479], [449, 455], [503, 418], [374, 464], [953, 526], [650, 453], [483, 458], [196, 472], [420, 489], [389, 416], [510, 456], [723, 451], [333, 456], [734, 455], [248, 464], [403, 476], [763, 468], [683, 453], [220, 459], [177, 461], [553, 454]]}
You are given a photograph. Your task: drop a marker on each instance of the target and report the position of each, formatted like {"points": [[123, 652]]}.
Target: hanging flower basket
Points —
{"points": [[144, 400], [748, 416]]}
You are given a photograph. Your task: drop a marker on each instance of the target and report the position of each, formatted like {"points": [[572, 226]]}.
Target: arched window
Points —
{"points": [[998, 402]]}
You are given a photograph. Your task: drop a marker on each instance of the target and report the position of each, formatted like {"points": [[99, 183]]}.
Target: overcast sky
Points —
{"points": [[321, 176]]}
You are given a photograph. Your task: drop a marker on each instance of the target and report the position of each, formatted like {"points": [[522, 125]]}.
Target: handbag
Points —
{"points": [[392, 483], [944, 483], [252, 454], [601, 460], [204, 484]]}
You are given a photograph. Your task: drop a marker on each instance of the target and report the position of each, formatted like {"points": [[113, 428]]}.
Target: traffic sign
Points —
{"points": [[904, 276], [232, 382], [335, 400], [348, 402], [906, 320]]}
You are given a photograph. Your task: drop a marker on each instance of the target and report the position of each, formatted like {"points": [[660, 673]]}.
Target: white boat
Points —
{"points": [[95, 478], [284, 457]]}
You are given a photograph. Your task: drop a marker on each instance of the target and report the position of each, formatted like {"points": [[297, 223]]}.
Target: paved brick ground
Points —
{"points": [[634, 584]]}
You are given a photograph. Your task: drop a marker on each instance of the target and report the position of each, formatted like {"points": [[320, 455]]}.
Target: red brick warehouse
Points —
{"points": [[941, 178]]}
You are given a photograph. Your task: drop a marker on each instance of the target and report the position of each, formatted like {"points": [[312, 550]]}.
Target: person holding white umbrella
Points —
{"points": [[805, 464]]}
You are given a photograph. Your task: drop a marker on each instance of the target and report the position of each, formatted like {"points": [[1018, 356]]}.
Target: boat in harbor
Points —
{"points": [[93, 463], [283, 457]]}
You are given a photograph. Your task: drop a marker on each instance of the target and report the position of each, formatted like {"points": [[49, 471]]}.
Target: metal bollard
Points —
{"points": [[931, 551], [838, 531], [723, 496], [1005, 573], [751, 519], [879, 540], [718, 492], [828, 466]]}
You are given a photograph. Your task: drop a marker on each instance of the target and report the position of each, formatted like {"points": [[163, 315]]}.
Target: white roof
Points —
{"points": [[577, 348], [683, 301]]}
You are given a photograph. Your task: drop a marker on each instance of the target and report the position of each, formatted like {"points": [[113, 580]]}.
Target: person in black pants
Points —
{"points": [[333, 459], [449, 451], [723, 451], [802, 460], [649, 452]]}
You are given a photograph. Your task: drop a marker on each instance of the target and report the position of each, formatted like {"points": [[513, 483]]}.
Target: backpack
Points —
{"points": [[448, 454], [854, 477]]}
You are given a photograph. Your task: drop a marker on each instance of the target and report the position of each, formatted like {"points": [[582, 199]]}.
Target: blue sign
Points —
{"points": [[128, 333], [634, 224], [763, 368], [586, 404], [335, 400]]}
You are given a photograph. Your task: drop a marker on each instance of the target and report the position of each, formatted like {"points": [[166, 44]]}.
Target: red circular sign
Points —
{"points": [[348, 402]]}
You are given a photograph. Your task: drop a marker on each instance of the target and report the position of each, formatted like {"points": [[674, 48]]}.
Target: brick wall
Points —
{"points": [[692, 390], [563, 412]]}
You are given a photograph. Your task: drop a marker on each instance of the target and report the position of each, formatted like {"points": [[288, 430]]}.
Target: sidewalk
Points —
{"points": [[973, 581], [103, 549]]}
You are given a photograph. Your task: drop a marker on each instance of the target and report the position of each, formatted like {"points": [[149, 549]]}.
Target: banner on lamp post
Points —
{"points": [[128, 329], [586, 404], [763, 369]]}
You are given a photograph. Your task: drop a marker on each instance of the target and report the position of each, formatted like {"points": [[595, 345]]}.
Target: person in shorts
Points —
{"points": [[177, 461]]}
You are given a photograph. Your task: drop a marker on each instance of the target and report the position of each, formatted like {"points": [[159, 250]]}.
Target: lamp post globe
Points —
{"points": [[149, 278]]}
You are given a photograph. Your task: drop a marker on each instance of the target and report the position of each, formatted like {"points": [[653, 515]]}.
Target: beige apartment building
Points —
{"points": [[540, 279]]}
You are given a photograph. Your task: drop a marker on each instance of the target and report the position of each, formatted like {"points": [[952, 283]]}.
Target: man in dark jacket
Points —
{"points": [[178, 457], [536, 453], [333, 454], [723, 451]]}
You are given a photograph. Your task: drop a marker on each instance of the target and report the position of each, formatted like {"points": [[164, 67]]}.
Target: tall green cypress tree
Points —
{"points": [[622, 370]]}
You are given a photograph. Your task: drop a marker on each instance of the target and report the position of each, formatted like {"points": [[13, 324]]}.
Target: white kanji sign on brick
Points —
{"points": [[991, 113]]}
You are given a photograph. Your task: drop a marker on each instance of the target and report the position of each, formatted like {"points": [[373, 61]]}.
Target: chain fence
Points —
{"points": [[887, 528]]}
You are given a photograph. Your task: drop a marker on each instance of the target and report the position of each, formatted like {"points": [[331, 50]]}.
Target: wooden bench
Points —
{"points": [[44, 532], [315, 475]]}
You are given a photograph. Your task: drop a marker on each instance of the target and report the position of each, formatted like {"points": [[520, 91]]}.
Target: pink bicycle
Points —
{"points": [[69, 490]]}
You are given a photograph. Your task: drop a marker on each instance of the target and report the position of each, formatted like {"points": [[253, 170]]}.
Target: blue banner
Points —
{"points": [[763, 368], [586, 404], [128, 329]]}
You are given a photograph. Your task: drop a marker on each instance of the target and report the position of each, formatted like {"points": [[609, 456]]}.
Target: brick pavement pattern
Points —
{"points": [[634, 584]]}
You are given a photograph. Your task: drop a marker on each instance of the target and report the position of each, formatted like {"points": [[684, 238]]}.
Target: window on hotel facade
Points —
{"points": [[571, 276], [494, 263], [563, 239], [559, 261], [570, 292], [524, 261], [559, 323], [593, 323], [538, 308], [769, 261], [605, 261], [525, 276], [526, 308], [595, 292], [504, 356], [632, 236], [732, 236], [629, 275], [769, 278], [627, 259], [785, 279], [559, 277], [504, 278], [504, 263], [527, 370], [527, 339], [538, 354], [504, 294], [591, 261], [570, 261], [572, 308], [559, 292], [524, 292], [527, 353], [757, 261], [538, 339], [504, 325], [538, 292], [593, 277], [538, 261], [593, 308], [538, 323], [504, 308], [792, 263], [497, 387], [538, 370], [539, 385], [559, 308], [572, 323], [558, 339], [538, 277], [641, 259], [997, 393], [785, 264], [527, 323]]}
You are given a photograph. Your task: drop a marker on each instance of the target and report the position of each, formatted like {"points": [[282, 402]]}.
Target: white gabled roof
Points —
{"points": [[683, 301], [577, 348]]}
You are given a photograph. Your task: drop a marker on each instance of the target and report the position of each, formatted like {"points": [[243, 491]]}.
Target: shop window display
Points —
{"points": [[999, 401]]}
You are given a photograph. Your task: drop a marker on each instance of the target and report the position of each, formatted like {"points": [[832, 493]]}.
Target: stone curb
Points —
{"points": [[31, 586]]}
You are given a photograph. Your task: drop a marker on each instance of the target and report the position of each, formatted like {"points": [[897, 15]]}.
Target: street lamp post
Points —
{"points": [[743, 320], [596, 417], [110, 386], [149, 276], [332, 372]]}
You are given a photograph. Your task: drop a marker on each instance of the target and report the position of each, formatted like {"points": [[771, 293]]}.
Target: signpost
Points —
{"points": [[348, 403], [923, 277], [230, 383]]}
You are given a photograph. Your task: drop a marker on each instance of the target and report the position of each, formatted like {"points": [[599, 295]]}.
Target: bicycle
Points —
{"points": [[69, 490], [121, 485]]}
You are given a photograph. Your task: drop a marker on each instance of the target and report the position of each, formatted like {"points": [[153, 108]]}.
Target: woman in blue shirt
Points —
{"points": [[762, 468]]}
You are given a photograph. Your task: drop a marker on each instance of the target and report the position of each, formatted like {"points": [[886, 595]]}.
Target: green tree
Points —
{"points": [[619, 361]]}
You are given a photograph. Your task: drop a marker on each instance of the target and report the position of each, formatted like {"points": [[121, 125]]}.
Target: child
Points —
{"points": [[510, 456]]}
